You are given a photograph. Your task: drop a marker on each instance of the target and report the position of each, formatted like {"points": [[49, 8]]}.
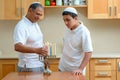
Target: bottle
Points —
{"points": [[76, 2], [52, 3], [83, 2], [47, 2], [65, 2], [70, 2], [58, 2]]}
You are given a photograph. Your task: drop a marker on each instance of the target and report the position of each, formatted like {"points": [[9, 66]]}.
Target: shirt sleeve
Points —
{"points": [[86, 42], [20, 34]]}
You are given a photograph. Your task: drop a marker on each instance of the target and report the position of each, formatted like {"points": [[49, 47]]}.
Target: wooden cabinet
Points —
{"points": [[103, 69], [118, 69], [103, 9], [15, 9], [87, 72], [53, 64], [10, 65], [6, 66], [10, 9]]}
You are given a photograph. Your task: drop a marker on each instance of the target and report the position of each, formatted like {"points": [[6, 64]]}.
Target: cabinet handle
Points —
{"points": [[115, 8], [23, 7], [23, 13], [102, 73], [102, 61], [18, 12], [110, 11], [119, 66]]}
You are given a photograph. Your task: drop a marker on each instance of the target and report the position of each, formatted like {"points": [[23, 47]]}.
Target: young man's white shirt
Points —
{"points": [[76, 43]]}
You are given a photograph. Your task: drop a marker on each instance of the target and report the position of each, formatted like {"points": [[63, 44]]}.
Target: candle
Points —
{"points": [[55, 49], [48, 45], [50, 49]]}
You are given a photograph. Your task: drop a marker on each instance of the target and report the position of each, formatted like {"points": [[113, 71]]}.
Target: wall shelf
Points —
{"points": [[65, 6]]}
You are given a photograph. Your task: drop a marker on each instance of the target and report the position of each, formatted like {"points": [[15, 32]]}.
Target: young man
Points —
{"points": [[77, 47], [28, 40]]}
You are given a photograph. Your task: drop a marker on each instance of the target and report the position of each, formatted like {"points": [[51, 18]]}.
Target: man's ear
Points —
{"points": [[30, 10], [76, 18]]}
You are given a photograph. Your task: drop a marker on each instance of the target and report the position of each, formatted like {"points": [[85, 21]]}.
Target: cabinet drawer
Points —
{"points": [[103, 64], [53, 64], [103, 75], [103, 67]]}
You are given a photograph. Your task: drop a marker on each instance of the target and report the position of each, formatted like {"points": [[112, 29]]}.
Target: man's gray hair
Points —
{"points": [[34, 5]]}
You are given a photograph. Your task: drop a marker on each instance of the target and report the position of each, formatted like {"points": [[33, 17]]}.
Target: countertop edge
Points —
{"points": [[94, 55]]}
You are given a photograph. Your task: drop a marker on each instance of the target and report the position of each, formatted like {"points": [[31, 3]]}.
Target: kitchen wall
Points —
{"points": [[104, 33]]}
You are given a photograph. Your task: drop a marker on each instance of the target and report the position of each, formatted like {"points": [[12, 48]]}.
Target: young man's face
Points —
{"points": [[69, 21], [36, 14]]}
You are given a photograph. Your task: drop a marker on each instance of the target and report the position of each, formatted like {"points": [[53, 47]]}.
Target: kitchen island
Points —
{"points": [[40, 76]]}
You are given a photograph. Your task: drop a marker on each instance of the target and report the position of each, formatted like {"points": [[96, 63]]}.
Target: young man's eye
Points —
{"points": [[67, 19]]}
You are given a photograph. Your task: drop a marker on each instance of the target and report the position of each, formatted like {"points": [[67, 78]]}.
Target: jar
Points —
{"points": [[58, 2], [65, 2], [76, 2]]}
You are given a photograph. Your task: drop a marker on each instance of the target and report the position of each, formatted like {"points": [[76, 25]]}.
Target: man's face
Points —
{"points": [[36, 14], [69, 21]]}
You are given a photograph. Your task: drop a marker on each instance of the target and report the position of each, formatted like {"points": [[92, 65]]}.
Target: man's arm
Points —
{"points": [[83, 64], [26, 49], [85, 60]]}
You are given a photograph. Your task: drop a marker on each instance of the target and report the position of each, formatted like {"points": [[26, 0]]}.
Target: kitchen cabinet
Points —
{"points": [[6, 66], [118, 69], [103, 69], [10, 9], [87, 72], [53, 64], [103, 9], [15, 9], [10, 65]]}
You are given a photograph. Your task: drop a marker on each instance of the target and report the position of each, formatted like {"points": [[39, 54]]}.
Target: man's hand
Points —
{"points": [[42, 51], [77, 72]]}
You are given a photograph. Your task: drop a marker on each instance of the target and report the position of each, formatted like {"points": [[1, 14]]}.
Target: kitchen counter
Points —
{"points": [[14, 56], [94, 55], [9, 56], [106, 55], [40, 76]]}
